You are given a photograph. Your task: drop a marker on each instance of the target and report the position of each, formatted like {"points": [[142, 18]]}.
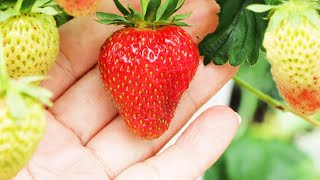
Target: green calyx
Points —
{"points": [[294, 11], [153, 14], [9, 8], [14, 92]]}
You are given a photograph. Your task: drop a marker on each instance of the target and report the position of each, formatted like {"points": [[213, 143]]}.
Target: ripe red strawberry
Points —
{"points": [[147, 66]]}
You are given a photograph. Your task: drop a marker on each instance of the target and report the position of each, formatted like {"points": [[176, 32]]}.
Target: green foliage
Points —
{"points": [[153, 14], [152, 9], [259, 76], [7, 9], [12, 8], [62, 17], [27, 6], [272, 1], [254, 158], [238, 37], [5, 4]]}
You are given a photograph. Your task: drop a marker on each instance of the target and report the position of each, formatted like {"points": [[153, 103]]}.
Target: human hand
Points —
{"points": [[86, 138]]}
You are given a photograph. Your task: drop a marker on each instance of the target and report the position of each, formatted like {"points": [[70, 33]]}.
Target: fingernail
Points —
{"points": [[239, 118]]}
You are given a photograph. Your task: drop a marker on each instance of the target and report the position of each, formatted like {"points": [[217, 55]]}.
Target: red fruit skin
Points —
{"points": [[146, 72], [78, 8], [304, 101]]}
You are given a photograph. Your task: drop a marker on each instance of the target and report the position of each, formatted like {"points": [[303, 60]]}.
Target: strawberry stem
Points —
{"points": [[271, 101]]}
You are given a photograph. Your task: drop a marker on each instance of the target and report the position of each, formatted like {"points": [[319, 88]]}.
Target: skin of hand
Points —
{"points": [[85, 136]]}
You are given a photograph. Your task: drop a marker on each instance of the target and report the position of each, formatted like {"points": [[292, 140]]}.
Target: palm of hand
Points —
{"points": [[86, 138]]}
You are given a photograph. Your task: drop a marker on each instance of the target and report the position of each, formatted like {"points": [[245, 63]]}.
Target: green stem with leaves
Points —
{"points": [[271, 101]]}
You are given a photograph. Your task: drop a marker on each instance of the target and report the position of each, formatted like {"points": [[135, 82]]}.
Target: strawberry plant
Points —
{"points": [[35, 53], [289, 40], [148, 65]]}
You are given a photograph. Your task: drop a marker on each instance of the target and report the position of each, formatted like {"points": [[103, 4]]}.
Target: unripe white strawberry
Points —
{"points": [[19, 138], [31, 38], [22, 119], [292, 43]]}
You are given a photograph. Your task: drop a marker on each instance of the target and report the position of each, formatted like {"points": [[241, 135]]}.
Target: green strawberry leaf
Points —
{"points": [[161, 10], [272, 1], [38, 93], [122, 9], [5, 4], [238, 37], [108, 16], [61, 17], [180, 4], [24, 86], [4, 15], [16, 105], [152, 9], [181, 24], [42, 3], [180, 17], [135, 14], [144, 6], [27, 5], [46, 10], [167, 9], [261, 8]]}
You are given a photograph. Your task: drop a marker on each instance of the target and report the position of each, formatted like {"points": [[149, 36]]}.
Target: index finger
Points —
{"points": [[81, 39]]}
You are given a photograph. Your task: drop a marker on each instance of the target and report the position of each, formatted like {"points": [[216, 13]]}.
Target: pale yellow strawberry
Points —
{"points": [[292, 43], [22, 118], [19, 138], [31, 44], [295, 57]]}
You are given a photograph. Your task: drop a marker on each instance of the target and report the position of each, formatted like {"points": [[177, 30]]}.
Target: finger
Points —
{"points": [[128, 149], [23, 175], [194, 152], [60, 155], [81, 39], [86, 107], [75, 112]]}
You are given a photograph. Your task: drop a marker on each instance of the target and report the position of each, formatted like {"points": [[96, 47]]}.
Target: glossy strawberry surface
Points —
{"points": [[146, 72]]}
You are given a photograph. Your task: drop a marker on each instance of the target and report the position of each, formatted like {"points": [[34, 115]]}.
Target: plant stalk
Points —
{"points": [[271, 101]]}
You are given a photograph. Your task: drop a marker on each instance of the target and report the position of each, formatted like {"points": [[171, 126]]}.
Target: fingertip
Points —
{"points": [[224, 112], [214, 122], [210, 135]]}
